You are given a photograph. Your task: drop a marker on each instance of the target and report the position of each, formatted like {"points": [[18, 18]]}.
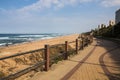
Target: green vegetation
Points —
{"points": [[117, 30], [112, 31], [1, 74]]}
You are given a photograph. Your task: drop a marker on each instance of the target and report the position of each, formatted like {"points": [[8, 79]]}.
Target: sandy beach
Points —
{"points": [[24, 47], [13, 65]]}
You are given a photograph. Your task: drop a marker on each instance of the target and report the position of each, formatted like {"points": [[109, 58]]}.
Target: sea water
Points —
{"points": [[10, 39]]}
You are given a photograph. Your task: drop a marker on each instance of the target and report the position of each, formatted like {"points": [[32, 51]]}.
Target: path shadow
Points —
{"points": [[112, 77], [114, 54], [94, 64]]}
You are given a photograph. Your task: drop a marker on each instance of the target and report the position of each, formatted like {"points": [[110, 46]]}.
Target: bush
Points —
{"points": [[2, 74]]}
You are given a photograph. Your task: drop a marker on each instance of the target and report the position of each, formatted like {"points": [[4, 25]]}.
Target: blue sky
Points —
{"points": [[55, 16]]}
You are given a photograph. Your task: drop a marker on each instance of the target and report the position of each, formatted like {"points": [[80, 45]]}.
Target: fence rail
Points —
{"points": [[48, 60], [22, 72], [19, 54]]}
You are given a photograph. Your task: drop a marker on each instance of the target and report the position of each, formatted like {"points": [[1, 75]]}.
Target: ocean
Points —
{"points": [[10, 39]]}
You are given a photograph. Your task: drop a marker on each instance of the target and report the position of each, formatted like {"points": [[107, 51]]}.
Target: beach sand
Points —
{"points": [[12, 65], [24, 47]]}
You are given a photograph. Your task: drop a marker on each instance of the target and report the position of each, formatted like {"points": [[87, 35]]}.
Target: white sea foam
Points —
{"points": [[2, 44], [2, 38], [47, 37], [30, 36], [21, 38]]}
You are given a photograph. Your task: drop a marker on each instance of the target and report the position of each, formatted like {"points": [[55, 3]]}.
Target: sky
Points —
{"points": [[55, 16]]}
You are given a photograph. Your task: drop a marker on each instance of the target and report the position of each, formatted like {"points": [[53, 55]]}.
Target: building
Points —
{"points": [[117, 16], [111, 22]]}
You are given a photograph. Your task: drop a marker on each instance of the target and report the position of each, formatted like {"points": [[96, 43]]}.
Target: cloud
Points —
{"points": [[39, 5], [47, 24], [86, 0], [45, 4], [110, 3], [26, 19]]}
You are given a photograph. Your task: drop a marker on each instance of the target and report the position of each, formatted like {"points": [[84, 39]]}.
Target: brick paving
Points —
{"points": [[80, 67]]}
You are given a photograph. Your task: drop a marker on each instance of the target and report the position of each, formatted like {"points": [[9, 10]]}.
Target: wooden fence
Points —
{"points": [[48, 59]]}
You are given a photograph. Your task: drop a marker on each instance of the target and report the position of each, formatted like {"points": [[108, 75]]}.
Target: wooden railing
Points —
{"points": [[49, 58]]}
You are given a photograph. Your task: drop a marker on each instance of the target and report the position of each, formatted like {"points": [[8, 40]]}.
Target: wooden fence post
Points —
{"points": [[76, 46], [47, 58], [82, 44], [86, 42], [66, 50]]}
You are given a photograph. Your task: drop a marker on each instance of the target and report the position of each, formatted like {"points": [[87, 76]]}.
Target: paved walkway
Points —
{"points": [[95, 62]]}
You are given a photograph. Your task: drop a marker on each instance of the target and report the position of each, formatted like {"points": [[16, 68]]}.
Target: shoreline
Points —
{"points": [[33, 45], [3, 46]]}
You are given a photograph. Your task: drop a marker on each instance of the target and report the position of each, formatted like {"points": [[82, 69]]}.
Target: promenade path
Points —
{"points": [[98, 61]]}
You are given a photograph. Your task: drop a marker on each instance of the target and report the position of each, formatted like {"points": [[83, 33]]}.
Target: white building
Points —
{"points": [[111, 22], [117, 16]]}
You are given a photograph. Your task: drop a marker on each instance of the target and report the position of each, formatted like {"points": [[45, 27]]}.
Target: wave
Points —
{"points": [[1, 44], [8, 39], [5, 44], [47, 37], [24, 36], [1, 38]]}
